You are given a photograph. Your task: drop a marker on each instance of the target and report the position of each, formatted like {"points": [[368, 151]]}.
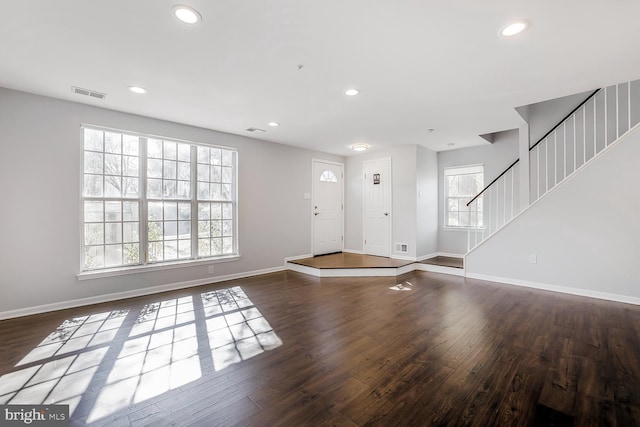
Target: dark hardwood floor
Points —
{"points": [[289, 349]]}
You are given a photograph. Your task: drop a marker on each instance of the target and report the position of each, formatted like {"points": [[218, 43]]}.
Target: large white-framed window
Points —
{"points": [[149, 200], [461, 184]]}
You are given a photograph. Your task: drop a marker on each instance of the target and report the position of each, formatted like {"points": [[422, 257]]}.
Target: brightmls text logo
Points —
{"points": [[36, 415]]}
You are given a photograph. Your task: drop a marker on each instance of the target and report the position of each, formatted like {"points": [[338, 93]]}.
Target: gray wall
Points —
{"points": [[584, 233], [544, 115], [427, 220], [40, 227], [495, 158]]}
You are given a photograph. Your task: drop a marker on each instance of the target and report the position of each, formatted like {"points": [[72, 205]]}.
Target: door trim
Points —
{"points": [[364, 200], [313, 195]]}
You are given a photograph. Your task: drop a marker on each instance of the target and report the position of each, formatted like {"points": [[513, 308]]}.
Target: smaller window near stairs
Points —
{"points": [[461, 184], [328, 176]]}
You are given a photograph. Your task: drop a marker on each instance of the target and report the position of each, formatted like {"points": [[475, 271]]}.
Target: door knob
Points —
{"points": [[386, 214], [316, 213]]}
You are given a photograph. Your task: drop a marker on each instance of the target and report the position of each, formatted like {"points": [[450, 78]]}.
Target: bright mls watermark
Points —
{"points": [[36, 415]]}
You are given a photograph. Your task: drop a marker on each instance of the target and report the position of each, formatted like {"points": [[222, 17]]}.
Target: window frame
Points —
{"points": [[143, 200], [458, 171]]}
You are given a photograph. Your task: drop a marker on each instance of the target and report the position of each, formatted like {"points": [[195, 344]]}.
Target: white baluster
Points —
{"points": [[575, 154], [564, 146], [617, 113], [555, 158], [606, 121], [512, 191], [629, 102], [595, 119], [584, 134]]}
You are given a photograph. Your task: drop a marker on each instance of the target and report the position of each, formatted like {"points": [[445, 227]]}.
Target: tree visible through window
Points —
{"points": [[182, 207], [461, 184]]}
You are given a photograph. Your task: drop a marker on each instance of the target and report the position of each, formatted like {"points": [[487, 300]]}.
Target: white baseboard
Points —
{"points": [[403, 258], [351, 272], [405, 269], [440, 269], [555, 288], [293, 258], [353, 251], [28, 311]]}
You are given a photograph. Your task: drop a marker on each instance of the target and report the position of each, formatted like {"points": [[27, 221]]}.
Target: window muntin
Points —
{"points": [[461, 184], [130, 218]]}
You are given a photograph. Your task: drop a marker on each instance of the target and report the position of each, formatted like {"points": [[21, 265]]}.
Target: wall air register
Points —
{"points": [[402, 247]]}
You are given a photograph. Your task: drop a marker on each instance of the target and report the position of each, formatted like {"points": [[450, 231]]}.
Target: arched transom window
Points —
{"points": [[328, 176]]}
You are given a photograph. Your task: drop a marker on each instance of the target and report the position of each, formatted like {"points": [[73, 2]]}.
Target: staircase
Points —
{"points": [[598, 122]]}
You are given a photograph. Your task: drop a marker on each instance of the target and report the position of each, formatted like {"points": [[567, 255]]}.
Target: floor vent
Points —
{"points": [[88, 92], [402, 247]]}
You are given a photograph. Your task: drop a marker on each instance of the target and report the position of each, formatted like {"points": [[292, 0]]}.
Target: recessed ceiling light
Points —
{"points": [[351, 92], [514, 28], [274, 124], [186, 14], [360, 147], [137, 89]]}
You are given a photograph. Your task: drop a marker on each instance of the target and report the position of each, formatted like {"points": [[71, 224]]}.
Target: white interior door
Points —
{"points": [[377, 207], [327, 207]]}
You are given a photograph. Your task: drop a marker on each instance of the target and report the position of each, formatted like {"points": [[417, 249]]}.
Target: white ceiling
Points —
{"points": [[419, 64]]}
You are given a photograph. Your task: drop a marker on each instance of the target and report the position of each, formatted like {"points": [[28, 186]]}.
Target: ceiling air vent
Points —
{"points": [[255, 130], [88, 92]]}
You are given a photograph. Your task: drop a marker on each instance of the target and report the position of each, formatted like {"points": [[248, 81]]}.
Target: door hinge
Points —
{"points": [[342, 238], [365, 241]]}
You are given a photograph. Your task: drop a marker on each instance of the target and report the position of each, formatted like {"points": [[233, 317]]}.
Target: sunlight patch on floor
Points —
{"points": [[237, 330], [147, 357]]}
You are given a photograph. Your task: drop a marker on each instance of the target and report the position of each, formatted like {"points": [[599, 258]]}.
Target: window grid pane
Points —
{"points": [[111, 234], [460, 189], [215, 174], [168, 170], [113, 196]]}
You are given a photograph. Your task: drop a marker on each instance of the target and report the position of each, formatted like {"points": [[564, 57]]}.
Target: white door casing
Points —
{"points": [[377, 207], [327, 208]]}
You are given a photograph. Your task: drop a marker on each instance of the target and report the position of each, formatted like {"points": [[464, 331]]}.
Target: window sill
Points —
{"points": [[122, 271]]}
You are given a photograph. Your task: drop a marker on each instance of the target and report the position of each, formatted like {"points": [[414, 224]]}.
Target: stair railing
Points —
{"points": [[601, 119]]}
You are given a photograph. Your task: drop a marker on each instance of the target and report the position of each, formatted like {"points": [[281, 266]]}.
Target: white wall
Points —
{"points": [[427, 218], [584, 233], [403, 214], [40, 215], [495, 158]]}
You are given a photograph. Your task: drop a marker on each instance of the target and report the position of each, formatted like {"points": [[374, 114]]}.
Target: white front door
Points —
{"points": [[327, 209], [377, 207]]}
